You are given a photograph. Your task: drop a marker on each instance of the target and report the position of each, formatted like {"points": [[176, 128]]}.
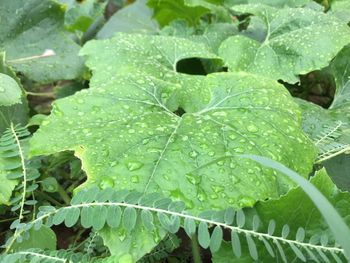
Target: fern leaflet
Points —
{"points": [[122, 208], [329, 144]]}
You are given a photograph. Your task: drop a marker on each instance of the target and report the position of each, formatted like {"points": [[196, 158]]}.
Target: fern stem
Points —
{"points": [[196, 254], [24, 171], [65, 197], [41, 256], [8, 219], [198, 219], [49, 198], [41, 94], [329, 133]]}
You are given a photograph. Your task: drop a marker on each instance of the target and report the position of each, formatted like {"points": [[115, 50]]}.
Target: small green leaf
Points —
{"points": [[216, 239], [300, 235], [10, 91], [49, 184], [312, 255], [336, 257], [147, 219], [240, 218], [271, 228], [229, 216], [285, 231], [236, 244], [281, 252], [177, 206], [203, 235], [268, 247], [323, 256], [87, 217], [162, 203], [99, 216], [60, 216], [129, 218], [72, 217], [256, 223], [104, 195], [252, 247], [324, 240], [297, 252], [171, 224], [190, 227], [114, 214]]}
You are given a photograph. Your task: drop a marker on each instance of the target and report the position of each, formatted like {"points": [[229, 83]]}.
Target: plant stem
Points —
{"points": [[49, 198], [65, 197], [8, 219], [41, 94], [196, 254]]}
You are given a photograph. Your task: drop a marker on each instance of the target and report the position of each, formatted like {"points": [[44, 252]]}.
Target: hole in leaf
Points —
{"points": [[180, 111], [317, 87], [197, 66]]}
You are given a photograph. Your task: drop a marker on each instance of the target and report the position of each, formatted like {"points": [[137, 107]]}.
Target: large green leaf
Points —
{"points": [[166, 11], [340, 68], [134, 244], [28, 28], [134, 18], [44, 238], [157, 130], [17, 113], [275, 3], [212, 36], [6, 186], [341, 9], [338, 168], [10, 92], [294, 41], [81, 14]]}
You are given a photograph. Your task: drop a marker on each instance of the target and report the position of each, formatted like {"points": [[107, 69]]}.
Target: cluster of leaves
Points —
{"points": [[166, 105]]}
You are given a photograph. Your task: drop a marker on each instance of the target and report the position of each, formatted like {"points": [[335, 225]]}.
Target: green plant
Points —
{"points": [[181, 133]]}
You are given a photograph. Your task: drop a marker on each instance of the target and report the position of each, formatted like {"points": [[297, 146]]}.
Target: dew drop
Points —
{"points": [[217, 188], [106, 182], [135, 179], [145, 141], [211, 153], [252, 128], [134, 165], [193, 179], [193, 154]]}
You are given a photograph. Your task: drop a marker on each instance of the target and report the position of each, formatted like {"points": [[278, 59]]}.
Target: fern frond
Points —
{"points": [[328, 143], [97, 208], [38, 256], [13, 147], [162, 250], [16, 135]]}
